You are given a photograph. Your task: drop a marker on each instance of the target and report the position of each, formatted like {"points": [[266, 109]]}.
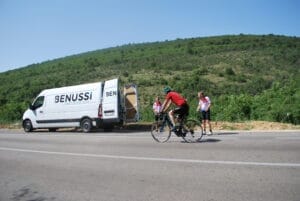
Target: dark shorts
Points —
{"points": [[206, 115], [157, 117], [182, 110]]}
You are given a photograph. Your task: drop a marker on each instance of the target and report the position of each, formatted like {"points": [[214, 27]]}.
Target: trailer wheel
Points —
{"points": [[86, 125], [27, 125]]}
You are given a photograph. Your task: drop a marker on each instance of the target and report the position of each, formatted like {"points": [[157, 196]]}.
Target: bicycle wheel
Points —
{"points": [[192, 131], [160, 132]]}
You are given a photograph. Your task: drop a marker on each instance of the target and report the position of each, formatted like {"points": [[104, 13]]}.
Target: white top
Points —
{"points": [[157, 107], [204, 103]]}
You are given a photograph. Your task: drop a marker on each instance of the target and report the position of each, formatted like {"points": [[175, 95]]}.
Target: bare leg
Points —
{"points": [[209, 124], [172, 117], [204, 125]]}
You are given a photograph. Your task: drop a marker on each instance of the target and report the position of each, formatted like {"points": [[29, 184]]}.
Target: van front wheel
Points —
{"points": [[27, 125], [86, 125]]}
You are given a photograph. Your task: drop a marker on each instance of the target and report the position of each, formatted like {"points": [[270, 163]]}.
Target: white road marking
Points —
{"points": [[293, 165]]}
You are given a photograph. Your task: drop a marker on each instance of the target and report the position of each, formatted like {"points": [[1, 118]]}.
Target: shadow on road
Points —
{"points": [[227, 133], [205, 140], [209, 140]]}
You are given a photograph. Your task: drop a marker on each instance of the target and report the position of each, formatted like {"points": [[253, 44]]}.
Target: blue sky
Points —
{"points": [[33, 31]]}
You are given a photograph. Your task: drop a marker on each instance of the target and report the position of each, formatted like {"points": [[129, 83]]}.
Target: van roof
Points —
{"points": [[77, 88]]}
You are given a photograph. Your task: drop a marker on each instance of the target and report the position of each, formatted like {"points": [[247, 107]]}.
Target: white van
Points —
{"points": [[86, 106]]}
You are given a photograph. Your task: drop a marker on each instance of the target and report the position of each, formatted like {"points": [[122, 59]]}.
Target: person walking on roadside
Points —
{"points": [[204, 107]]}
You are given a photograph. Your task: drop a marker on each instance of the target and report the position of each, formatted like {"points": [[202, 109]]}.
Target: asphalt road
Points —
{"points": [[131, 166]]}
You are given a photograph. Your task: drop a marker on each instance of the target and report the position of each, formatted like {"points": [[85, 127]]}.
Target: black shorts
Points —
{"points": [[206, 115], [157, 117], [183, 110]]}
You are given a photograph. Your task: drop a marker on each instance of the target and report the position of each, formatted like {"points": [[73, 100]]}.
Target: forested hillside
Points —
{"points": [[247, 77]]}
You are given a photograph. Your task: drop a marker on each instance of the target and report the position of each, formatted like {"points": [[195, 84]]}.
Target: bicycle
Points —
{"points": [[190, 130]]}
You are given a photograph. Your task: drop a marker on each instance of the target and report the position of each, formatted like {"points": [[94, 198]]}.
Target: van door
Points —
{"points": [[39, 110], [110, 110], [131, 106]]}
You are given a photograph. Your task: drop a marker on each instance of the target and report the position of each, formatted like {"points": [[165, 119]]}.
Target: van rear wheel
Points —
{"points": [[27, 125], [86, 125]]}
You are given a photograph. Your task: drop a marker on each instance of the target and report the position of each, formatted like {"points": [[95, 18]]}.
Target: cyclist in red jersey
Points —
{"points": [[175, 98]]}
